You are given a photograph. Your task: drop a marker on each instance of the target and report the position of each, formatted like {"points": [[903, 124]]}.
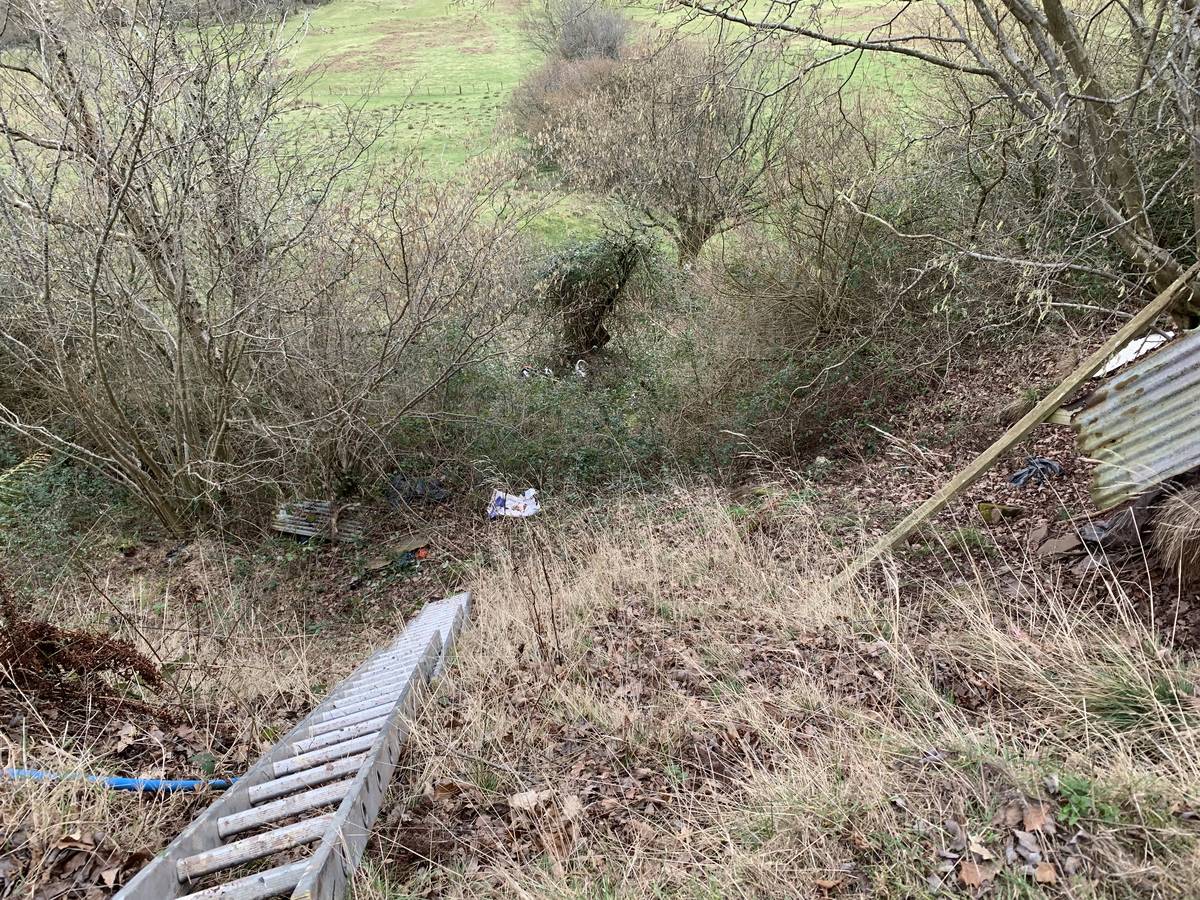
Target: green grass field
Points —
{"points": [[448, 66], [447, 70]]}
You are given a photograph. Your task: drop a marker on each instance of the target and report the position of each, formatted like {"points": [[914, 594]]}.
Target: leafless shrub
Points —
{"points": [[682, 136], [1092, 103], [576, 29], [207, 307], [550, 97]]}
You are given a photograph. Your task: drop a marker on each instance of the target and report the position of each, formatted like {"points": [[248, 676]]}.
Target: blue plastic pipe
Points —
{"points": [[159, 785]]}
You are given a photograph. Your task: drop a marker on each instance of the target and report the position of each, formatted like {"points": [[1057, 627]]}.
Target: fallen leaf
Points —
{"points": [[1046, 873], [959, 844], [1027, 844], [1038, 818], [572, 807], [980, 850], [526, 801], [1009, 815], [446, 788], [642, 829], [828, 884], [974, 874]]}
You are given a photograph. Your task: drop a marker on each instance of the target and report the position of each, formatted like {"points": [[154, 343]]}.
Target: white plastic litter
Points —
{"points": [[1135, 349], [520, 505]]}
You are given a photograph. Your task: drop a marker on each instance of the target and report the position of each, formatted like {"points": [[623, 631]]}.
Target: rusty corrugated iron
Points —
{"points": [[317, 518], [1143, 425]]}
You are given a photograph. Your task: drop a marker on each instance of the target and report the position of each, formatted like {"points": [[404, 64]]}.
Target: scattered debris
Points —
{"points": [[1124, 530], [118, 783], [1061, 546], [405, 491], [1052, 401], [180, 553], [1037, 469], [1135, 350], [402, 554], [319, 519], [995, 513], [518, 505], [411, 542]]}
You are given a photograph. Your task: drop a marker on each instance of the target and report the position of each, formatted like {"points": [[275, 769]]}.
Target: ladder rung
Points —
{"points": [[387, 669], [374, 679], [371, 712], [373, 690], [271, 883], [278, 787], [255, 847], [325, 754], [339, 711], [377, 694], [370, 726], [283, 808]]}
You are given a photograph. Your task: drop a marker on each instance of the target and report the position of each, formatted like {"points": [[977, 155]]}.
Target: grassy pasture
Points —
{"points": [[449, 66], [452, 66]]}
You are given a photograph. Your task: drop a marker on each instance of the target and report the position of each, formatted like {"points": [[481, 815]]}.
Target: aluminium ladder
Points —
{"points": [[334, 766]]}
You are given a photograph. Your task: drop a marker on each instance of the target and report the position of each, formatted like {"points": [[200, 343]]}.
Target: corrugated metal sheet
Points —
{"points": [[1143, 426], [315, 518]]}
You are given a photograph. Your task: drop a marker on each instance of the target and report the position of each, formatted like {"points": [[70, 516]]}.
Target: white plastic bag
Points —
{"points": [[519, 505]]}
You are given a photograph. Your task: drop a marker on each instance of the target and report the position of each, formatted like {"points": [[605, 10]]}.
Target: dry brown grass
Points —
{"points": [[666, 706], [1177, 534], [239, 670], [669, 702]]}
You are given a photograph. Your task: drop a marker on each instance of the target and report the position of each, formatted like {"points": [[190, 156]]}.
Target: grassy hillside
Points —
{"points": [[450, 67]]}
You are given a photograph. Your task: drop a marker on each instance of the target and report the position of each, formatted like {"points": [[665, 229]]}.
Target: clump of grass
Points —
{"points": [[1177, 534]]}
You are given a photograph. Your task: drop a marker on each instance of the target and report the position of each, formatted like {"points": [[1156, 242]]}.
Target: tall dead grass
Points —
{"points": [[669, 705]]}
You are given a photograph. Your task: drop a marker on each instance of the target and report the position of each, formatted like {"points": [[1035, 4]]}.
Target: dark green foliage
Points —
{"points": [[52, 521], [559, 432], [582, 286]]}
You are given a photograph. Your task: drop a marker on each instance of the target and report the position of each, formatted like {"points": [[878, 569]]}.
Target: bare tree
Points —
{"points": [[1103, 94], [681, 134], [205, 301], [575, 29]]}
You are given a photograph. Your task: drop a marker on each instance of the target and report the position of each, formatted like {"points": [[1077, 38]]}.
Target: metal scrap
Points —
{"points": [[1140, 427], [318, 518]]}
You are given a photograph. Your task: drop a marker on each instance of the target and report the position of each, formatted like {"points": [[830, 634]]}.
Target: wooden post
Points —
{"points": [[1052, 402]]}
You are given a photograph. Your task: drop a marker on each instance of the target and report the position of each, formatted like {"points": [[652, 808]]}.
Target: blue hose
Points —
{"points": [[160, 785]]}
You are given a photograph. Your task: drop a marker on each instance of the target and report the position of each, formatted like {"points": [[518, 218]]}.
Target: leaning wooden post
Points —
{"points": [[1052, 401]]}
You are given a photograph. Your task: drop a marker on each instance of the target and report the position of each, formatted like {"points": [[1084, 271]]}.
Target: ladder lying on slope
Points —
{"points": [[339, 758]]}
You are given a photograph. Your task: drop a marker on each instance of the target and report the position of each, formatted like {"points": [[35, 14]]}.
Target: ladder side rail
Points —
{"points": [[159, 879], [332, 865]]}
